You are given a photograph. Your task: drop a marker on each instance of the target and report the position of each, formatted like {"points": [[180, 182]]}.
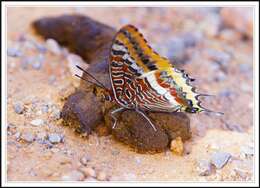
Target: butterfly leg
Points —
{"points": [[113, 115], [147, 118]]}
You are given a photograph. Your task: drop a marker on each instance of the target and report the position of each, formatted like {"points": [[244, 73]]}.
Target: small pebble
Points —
{"points": [[175, 48], [204, 168], [74, 60], [247, 151], [54, 138], [45, 108], [88, 171], [37, 65], [85, 159], [115, 152], [53, 46], [177, 146], [73, 176], [27, 137], [220, 76], [56, 114], [41, 48], [245, 67], [41, 136], [26, 61], [14, 52], [17, 135], [230, 35], [101, 176], [38, 61], [29, 45], [18, 107], [37, 122], [191, 39], [219, 159], [220, 57]]}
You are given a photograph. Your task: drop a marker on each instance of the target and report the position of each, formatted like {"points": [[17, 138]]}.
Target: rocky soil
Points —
{"points": [[210, 44]]}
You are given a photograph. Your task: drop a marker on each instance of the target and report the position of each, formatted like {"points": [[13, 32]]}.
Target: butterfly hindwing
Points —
{"points": [[142, 78]]}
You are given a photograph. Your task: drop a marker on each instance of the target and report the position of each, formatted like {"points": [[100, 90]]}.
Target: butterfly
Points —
{"points": [[142, 80]]}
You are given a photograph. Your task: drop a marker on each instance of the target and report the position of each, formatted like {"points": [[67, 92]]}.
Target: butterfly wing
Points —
{"points": [[141, 77]]}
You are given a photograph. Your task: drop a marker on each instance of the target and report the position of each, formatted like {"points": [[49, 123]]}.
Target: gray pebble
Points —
{"points": [[14, 52], [85, 159], [219, 159], [47, 143], [45, 108], [37, 65], [191, 39], [245, 67], [204, 168], [27, 137], [26, 61], [41, 136], [18, 107], [41, 48], [247, 151], [56, 114], [214, 66], [175, 48], [55, 138], [38, 61], [53, 46], [17, 136], [37, 122], [220, 76], [115, 152], [222, 58], [28, 45]]}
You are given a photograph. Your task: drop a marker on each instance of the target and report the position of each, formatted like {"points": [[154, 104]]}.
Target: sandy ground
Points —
{"points": [[70, 157]]}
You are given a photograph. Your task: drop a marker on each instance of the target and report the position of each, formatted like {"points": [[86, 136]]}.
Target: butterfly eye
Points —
{"points": [[189, 103], [107, 97]]}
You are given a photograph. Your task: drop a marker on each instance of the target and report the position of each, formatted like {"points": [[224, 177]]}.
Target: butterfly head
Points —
{"points": [[107, 95], [195, 106]]}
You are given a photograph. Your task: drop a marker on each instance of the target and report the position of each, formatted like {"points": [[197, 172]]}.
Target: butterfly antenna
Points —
{"points": [[211, 111], [205, 95], [91, 76], [89, 81]]}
